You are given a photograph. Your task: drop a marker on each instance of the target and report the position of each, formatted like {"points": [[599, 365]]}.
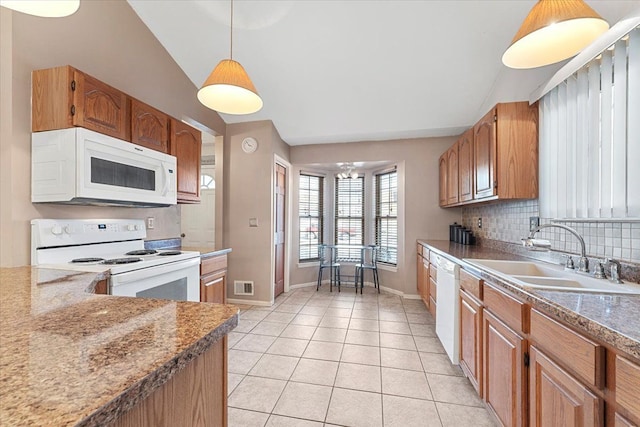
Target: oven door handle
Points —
{"points": [[132, 276]]}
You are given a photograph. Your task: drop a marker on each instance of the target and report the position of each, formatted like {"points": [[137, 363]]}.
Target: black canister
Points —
{"points": [[466, 237], [459, 233], [452, 231]]}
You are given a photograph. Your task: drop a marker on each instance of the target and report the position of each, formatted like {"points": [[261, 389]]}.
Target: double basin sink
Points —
{"points": [[543, 276]]}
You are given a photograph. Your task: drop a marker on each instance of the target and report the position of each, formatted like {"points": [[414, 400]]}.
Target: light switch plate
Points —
{"points": [[253, 222], [151, 222], [534, 221]]}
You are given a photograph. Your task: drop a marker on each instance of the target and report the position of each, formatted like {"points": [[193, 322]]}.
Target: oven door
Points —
{"points": [[175, 281]]}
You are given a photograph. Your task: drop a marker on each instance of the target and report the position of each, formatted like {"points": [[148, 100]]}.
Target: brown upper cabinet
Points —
{"points": [[498, 157], [64, 97], [452, 174], [442, 173], [185, 143], [149, 127]]}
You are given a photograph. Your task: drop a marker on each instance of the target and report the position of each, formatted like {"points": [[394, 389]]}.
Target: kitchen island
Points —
{"points": [[71, 357]]}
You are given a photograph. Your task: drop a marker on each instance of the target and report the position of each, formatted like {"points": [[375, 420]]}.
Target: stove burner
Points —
{"points": [[122, 261], [86, 260], [169, 253], [143, 252]]}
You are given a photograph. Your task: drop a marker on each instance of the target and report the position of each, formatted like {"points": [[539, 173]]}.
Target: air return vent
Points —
{"points": [[243, 287]]}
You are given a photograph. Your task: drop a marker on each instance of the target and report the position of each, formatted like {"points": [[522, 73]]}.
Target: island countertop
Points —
{"points": [[71, 357], [609, 318]]}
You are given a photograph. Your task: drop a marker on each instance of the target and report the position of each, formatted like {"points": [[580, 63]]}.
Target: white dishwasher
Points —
{"points": [[448, 312]]}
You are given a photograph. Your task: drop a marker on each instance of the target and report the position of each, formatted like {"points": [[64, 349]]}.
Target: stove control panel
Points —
{"points": [[63, 232]]}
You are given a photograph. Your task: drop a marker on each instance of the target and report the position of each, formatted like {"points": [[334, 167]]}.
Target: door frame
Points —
{"points": [[287, 224]]}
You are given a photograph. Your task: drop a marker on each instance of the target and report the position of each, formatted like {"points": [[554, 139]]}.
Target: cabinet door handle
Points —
{"points": [[218, 280]]}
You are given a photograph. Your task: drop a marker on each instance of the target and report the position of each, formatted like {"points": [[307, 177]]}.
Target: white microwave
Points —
{"points": [[80, 166]]}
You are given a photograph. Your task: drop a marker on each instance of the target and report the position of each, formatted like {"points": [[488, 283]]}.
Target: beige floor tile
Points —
{"points": [[338, 312], [405, 412], [364, 325], [365, 314], [288, 347], [276, 316], [355, 408], [243, 418], [306, 319], [457, 416], [363, 338], [245, 325], [308, 401], [392, 316], [274, 366], [312, 371], [255, 315], [298, 331], [358, 377], [397, 341], [319, 302], [233, 338], [330, 334], [232, 381], [405, 383], [420, 318], [362, 354], [257, 394], [438, 363], [391, 307], [323, 350], [342, 302], [280, 421], [395, 327], [450, 389], [314, 311], [269, 328], [429, 345], [423, 330], [366, 306], [288, 307], [400, 359], [258, 343], [241, 362], [334, 322]]}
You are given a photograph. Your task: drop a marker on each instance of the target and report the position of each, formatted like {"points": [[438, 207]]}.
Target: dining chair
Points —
{"points": [[368, 261], [327, 256]]}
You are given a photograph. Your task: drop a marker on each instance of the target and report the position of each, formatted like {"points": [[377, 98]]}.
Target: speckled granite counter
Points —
{"points": [[69, 357], [612, 319]]}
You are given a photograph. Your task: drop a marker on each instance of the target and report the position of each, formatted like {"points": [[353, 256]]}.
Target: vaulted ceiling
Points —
{"points": [[342, 71]]}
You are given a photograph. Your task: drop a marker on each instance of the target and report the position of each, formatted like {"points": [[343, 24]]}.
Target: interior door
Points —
{"points": [[279, 223]]}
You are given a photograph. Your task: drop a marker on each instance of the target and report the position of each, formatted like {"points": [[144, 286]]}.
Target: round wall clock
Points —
{"points": [[249, 145]]}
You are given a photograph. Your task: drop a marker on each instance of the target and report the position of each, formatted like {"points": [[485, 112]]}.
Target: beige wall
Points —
{"points": [[248, 193], [107, 40], [417, 161]]}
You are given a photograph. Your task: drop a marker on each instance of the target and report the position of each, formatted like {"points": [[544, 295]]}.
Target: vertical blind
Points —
{"points": [[349, 219], [386, 227], [310, 213], [590, 138]]}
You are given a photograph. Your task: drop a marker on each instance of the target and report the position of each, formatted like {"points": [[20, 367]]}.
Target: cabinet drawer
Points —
{"points": [[433, 289], [209, 265], [508, 309], [433, 272], [628, 386], [434, 257], [583, 356], [471, 284], [420, 249]]}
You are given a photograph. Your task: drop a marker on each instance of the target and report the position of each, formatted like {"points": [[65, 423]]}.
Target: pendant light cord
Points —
{"points": [[231, 47]]}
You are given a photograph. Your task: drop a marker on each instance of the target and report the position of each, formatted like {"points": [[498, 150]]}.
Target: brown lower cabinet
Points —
{"points": [[471, 339], [213, 279]]}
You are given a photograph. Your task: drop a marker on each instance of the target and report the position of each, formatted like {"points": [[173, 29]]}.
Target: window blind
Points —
{"points": [[349, 216], [386, 224], [590, 138], [310, 216]]}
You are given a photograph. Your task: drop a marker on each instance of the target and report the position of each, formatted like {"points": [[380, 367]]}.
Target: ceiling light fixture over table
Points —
{"points": [[554, 30], [228, 89], [43, 8]]}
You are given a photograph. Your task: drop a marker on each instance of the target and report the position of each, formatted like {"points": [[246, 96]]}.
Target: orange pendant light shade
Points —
{"points": [[229, 90], [553, 31], [43, 8]]}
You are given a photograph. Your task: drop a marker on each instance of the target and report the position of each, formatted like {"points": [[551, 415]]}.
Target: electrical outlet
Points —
{"points": [[151, 222], [534, 221], [480, 222]]}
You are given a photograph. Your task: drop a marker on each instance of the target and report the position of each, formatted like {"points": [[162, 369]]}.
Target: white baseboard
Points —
{"points": [[367, 284], [304, 285], [249, 302], [412, 296]]}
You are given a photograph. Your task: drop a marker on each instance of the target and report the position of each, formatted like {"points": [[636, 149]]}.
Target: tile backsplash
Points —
{"points": [[509, 222]]}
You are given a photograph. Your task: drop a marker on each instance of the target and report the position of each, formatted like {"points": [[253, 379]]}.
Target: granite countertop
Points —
{"points": [[612, 319], [71, 357]]}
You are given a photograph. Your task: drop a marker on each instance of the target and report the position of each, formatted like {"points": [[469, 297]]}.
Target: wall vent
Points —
{"points": [[243, 287]]}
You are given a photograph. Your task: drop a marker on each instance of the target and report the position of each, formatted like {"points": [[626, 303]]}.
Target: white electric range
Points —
{"points": [[116, 246]]}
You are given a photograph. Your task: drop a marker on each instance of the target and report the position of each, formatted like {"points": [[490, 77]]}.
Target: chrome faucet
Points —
{"points": [[616, 270], [583, 264]]}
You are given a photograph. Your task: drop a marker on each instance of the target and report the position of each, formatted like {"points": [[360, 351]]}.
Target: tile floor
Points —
{"points": [[320, 358]]}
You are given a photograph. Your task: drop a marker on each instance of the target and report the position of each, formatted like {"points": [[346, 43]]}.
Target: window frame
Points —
{"points": [[309, 217], [379, 217], [349, 254]]}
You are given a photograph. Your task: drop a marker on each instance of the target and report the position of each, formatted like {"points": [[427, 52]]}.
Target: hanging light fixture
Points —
{"points": [[43, 8], [347, 170], [228, 89], [554, 30]]}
